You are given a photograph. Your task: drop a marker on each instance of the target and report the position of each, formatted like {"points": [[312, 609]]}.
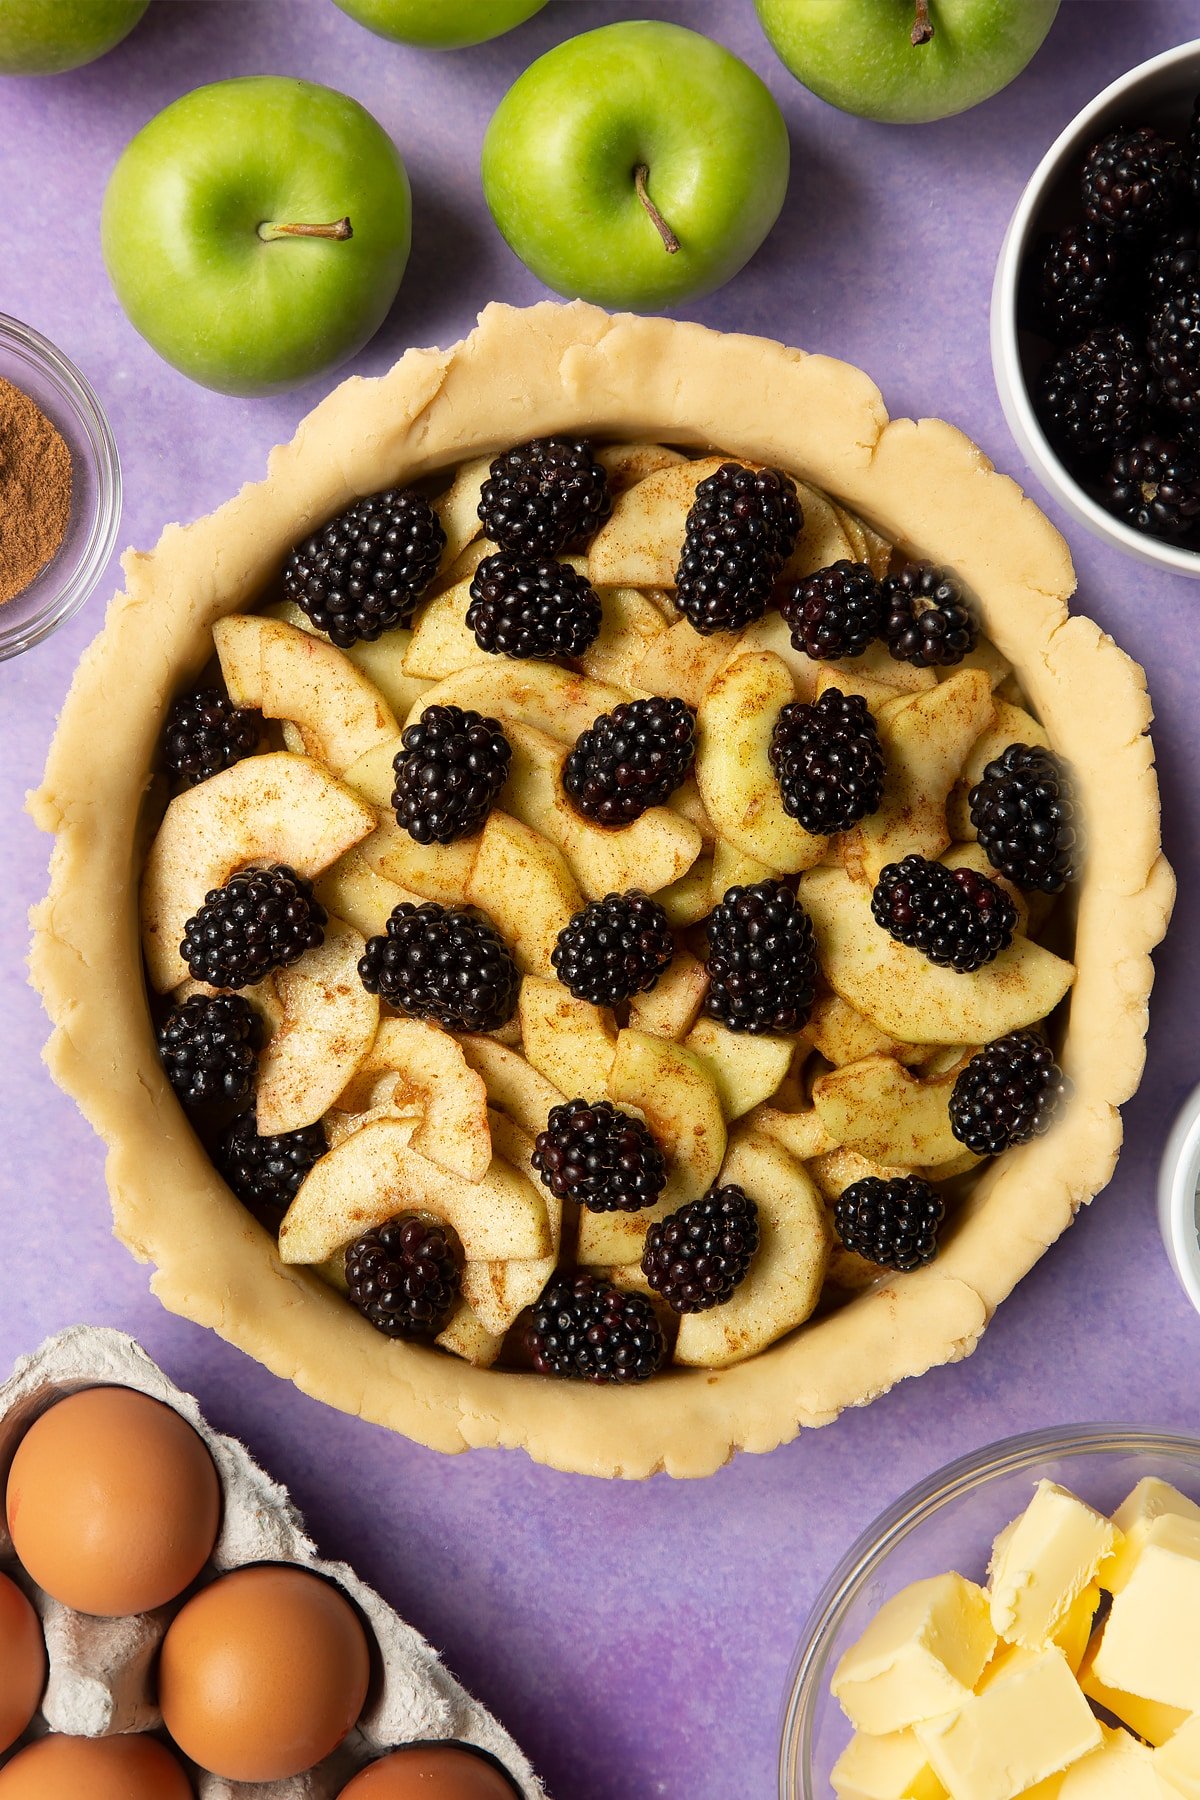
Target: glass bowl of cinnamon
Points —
{"points": [[60, 488]]}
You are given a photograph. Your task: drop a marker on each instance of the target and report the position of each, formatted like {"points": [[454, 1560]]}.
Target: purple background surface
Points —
{"points": [[636, 1639]]}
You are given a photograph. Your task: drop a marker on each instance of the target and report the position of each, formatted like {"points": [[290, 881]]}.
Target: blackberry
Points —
{"points": [[449, 774], [834, 612], [528, 607], [542, 496], [1175, 263], [614, 948], [266, 1172], [741, 529], [926, 621], [1079, 283], [828, 762], [1154, 485], [956, 917], [1008, 1093], [405, 1276], [1090, 398], [892, 1223], [1131, 181], [698, 1255], [366, 570], [1024, 814], [260, 921], [631, 758], [600, 1157], [1173, 343], [208, 1047], [762, 959], [583, 1329], [445, 963], [206, 733]]}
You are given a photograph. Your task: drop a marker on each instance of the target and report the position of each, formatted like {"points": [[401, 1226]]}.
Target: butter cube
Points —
{"points": [[920, 1655], [894, 1767], [1178, 1761], [1043, 1562], [1149, 1718], [1026, 1726], [1072, 1635], [1150, 1500], [1151, 1643], [1122, 1769]]}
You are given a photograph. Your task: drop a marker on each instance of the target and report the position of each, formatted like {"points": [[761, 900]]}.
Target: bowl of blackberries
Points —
{"points": [[1096, 314]]}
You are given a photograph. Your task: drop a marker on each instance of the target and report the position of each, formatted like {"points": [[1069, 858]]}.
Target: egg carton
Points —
{"points": [[101, 1671]]}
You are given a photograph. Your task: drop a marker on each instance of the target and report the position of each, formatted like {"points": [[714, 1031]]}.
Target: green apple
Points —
{"points": [[47, 37], [906, 61], [636, 166], [256, 231], [441, 24]]}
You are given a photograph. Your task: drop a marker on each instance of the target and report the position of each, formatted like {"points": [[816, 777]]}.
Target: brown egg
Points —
{"points": [[76, 1768], [113, 1502], [430, 1772], [22, 1662], [263, 1673]]}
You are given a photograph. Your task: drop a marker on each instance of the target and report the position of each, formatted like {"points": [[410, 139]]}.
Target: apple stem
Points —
{"points": [[922, 29], [337, 228], [670, 241]]}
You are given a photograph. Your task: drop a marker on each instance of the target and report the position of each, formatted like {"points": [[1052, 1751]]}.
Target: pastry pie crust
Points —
{"points": [[524, 373]]}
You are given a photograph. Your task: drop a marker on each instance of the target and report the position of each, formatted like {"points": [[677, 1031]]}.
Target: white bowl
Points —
{"points": [[1160, 93], [1179, 1197]]}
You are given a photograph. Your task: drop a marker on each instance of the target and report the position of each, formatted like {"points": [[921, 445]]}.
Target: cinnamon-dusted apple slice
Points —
{"points": [[783, 1283], [822, 539], [551, 699], [732, 868], [441, 641], [640, 543], [881, 1110], [352, 890], [458, 508], [803, 1133], [689, 899], [413, 1061], [772, 634], [376, 1174], [514, 1086], [498, 1292], [687, 803], [649, 854], [373, 774], [630, 624], [381, 661], [275, 808], [925, 739], [733, 735], [571, 1042], [524, 885], [339, 1125], [908, 996], [745, 1069], [304, 679], [879, 550], [669, 1010], [1011, 725], [841, 1035], [440, 872], [327, 1025], [466, 1336], [859, 549], [681, 663], [673, 1091], [627, 464]]}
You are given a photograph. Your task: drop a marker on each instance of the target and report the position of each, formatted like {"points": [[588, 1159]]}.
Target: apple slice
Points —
{"points": [[340, 1125], [498, 1292], [841, 1035], [382, 662], [908, 996], [467, 1337], [879, 1109], [514, 1086], [926, 740], [669, 1010], [458, 508], [326, 1030], [682, 663], [640, 543], [878, 664], [352, 890], [730, 868], [629, 625], [442, 642], [649, 854], [739, 790], [376, 1174], [415, 1062], [745, 1069], [772, 635], [854, 532], [688, 900], [525, 887], [627, 464], [440, 872], [673, 1091], [803, 1134], [822, 540], [783, 1284], [373, 774], [275, 808], [571, 1042], [551, 699], [1011, 725], [307, 681], [687, 803], [879, 550]]}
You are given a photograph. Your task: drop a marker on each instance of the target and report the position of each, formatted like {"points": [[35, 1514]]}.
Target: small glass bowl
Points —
{"points": [[31, 362], [949, 1522]]}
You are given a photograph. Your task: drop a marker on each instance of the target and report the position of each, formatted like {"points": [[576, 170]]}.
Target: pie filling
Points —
{"points": [[603, 917]]}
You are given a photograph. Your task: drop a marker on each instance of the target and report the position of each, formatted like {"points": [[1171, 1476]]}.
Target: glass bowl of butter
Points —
{"points": [[1026, 1622]]}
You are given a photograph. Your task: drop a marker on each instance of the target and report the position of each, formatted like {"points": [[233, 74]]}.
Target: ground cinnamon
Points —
{"points": [[35, 490]]}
